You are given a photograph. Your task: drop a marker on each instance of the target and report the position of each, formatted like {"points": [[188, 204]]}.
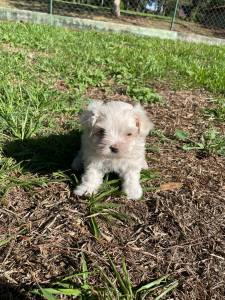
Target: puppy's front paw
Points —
{"points": [[134, 192], [84, 189]]}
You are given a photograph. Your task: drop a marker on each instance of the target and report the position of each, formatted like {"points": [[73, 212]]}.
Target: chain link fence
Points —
{"points": [[205, 17]]}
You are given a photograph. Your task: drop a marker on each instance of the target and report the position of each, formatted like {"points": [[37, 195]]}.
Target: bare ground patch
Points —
{"points": [[31, 55], [176, 231]]}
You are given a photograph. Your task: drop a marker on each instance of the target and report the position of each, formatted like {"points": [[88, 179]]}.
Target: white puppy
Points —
{"points": [[113, 140]]}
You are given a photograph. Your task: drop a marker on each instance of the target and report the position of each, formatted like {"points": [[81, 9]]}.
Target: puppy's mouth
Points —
{"points": [[114, 156]]}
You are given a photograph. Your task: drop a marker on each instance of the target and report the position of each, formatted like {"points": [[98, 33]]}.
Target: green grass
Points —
{"points": [[218, 111], [210, 142], [4, 242], [101, 209], [89, 58], [46, 73], [115, 285]]}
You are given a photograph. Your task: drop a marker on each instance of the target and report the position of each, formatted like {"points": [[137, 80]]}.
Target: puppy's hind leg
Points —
{"points": [[77, 163]]}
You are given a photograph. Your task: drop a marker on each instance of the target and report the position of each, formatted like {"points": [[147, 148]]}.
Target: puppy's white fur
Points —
{"points": [[113, 140]]}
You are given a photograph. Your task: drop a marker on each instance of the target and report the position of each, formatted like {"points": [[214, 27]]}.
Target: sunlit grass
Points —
{"points": [[115, 285]]}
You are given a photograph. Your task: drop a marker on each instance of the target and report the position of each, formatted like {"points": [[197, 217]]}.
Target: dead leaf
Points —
{"points": [[106, 237], [170, 186]]}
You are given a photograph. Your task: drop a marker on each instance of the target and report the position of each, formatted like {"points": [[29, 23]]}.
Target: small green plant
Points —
{"points": [[21, 120], [149, 176], [181, 135], [115, 285], [218, 112], [66, 286], [160, 135], [4, 242], [211, 142], [143, 94], [119, 285], [99, 208], [11, 176]]}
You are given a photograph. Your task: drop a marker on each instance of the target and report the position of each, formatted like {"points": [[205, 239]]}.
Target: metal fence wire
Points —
{"points": [[205, 17]]}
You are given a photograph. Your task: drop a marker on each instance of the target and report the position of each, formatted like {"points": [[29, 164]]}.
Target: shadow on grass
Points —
{"points": [[11, 292], [44, 155]]}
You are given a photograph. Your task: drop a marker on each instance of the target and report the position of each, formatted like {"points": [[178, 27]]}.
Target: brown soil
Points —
{"points": [[176, 230]]}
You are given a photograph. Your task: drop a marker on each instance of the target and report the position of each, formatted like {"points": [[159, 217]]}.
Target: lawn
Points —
{"points": [[108, 246]]}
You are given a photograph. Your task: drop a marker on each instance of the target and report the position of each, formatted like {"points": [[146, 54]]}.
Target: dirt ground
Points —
{"points": [[104, 15], [177, 230]]}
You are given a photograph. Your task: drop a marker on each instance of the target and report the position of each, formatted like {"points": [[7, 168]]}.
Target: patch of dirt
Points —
{"points": [[31, 55], [9, 48], [108, 93], [178, 230], [60, 85]]}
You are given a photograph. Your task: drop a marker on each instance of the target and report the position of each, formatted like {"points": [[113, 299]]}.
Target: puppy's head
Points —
{"points": [[115, 128]]}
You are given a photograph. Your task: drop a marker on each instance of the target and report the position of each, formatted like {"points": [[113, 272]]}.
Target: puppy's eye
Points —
{"points": [[100, 132], [129, 134]]}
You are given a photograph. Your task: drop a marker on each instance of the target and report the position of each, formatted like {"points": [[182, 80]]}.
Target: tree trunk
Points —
{"points": [[116, 8]]}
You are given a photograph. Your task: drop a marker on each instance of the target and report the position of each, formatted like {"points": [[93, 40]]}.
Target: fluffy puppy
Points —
{"points": [[113, 140]]}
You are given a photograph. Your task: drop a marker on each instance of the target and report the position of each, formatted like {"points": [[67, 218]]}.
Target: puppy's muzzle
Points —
{"points": [[114, 149]]}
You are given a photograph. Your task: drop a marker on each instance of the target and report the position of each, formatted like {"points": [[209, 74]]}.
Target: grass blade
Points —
{"points": [[95, 227], [152, 284], [49, 292], [70, 292], [169, 288], [101, 196], [127, 277], [4, 242], [119, 278], [85, 272], [46, 293], [108, 281]]}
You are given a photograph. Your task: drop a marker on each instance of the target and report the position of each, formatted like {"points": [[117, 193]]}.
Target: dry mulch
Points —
{"points": [[177, 230]]}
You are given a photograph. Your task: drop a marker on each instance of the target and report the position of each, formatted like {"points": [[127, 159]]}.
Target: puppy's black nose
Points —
{"points": [[114, 149]]}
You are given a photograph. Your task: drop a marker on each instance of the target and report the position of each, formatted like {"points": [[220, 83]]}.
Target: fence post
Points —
{"points": [[174, 15], [50, 5], [116, 8]]}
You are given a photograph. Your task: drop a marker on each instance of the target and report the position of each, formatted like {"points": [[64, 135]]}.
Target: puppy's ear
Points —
{"points": [[143, 122], [89, 117]]}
